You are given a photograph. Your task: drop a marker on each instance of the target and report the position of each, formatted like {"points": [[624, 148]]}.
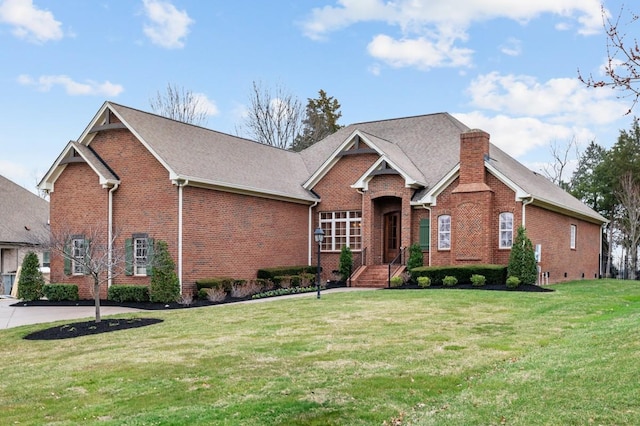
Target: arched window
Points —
{"points": [[444, 232], [506, 230]]}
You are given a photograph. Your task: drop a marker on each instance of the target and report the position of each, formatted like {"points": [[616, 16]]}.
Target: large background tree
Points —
{"points": [[180, 104], [320, 120], [274, 116]]}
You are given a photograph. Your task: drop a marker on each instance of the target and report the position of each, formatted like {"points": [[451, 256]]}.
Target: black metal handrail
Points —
{"points": [[400, 257]]}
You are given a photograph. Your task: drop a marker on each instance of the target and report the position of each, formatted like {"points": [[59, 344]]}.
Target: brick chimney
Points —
{"points": [[474, 147]]}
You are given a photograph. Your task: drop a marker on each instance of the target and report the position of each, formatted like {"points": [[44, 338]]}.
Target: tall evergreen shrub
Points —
{"points": [[522, 260], [416, 259], [165, 285], [31, 280], [346, 263]]}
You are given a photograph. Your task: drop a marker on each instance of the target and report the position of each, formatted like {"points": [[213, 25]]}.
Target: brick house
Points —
{"points": [[227, 206], [24, 223]]}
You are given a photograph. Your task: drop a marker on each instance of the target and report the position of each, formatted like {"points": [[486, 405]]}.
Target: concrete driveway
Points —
{"points": [[14, 316]]}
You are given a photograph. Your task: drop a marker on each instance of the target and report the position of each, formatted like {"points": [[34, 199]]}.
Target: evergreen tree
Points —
{"points": [[346, 263], [165, 285], [416, 259], [321, 120], [31, 279], [522, 260]]}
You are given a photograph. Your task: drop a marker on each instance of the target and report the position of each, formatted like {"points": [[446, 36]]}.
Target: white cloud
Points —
{"points": [[560, 100], [168, 26], [30, 23], [432, 29], [518, 136], [512, 47], [205, 105], [523, 115], [44, 83], [420, 53]]}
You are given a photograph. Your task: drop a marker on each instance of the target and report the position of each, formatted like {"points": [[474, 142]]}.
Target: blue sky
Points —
{"points": [[507, 67]]}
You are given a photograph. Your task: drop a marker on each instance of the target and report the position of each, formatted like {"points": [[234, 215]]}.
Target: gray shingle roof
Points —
{"points": [[216, 158], [426, 148], [24, 216]]}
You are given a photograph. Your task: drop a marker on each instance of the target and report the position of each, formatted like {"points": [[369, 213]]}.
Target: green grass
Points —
{"points": [[442, 357]]}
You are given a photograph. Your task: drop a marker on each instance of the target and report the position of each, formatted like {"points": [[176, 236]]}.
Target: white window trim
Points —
{"points": [[572, 238], [502, 221], [442, 232], [140, 268], [78, 254], [329, 242]]}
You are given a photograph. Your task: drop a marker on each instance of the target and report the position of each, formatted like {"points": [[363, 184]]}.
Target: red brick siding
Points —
{"points": [[473, 147], [78, 205], [552, 231], [337, 195], [227, 234]]}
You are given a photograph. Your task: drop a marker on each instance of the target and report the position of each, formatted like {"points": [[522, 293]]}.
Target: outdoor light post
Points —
{"points": [[318, 235]]}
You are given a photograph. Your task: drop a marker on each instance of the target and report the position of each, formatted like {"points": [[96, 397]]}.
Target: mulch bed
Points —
{"points": [[530, 288], [87, 328]]}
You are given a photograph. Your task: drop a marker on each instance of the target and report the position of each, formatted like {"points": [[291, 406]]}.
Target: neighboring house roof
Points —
{"points": [[24, 217]]}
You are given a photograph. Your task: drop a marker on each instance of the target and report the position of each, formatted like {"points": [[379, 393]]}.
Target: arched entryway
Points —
{"points": [[388, 226]]}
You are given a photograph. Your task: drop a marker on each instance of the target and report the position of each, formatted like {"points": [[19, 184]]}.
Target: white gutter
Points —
{"points": [[600, 271], [524, 214], [311, 240], [110, 236]]}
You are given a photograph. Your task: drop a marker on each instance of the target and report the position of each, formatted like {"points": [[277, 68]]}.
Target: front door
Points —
{"points": [[391, 236]]}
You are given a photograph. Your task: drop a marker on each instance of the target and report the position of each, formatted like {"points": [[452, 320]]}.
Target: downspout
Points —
{"points": [[110, 236], [600, 271], [181, 183], [430, 223], [524, 214], [311, 230]]}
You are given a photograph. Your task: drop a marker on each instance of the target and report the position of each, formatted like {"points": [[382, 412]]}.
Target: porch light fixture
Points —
{"points": [[318, 235]]}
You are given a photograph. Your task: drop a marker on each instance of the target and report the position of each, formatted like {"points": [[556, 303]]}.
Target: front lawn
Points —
{"points": [[444, 357]]}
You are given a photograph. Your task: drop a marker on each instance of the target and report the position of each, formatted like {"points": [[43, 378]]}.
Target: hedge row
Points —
{"points": [[494, 274], [271, 273], [128, 293], [224, 283], [59, 292]]}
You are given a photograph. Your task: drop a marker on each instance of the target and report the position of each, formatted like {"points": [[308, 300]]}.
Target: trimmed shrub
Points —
{"points": [[165, 285], [58, 292], [513, 282], [223, 283], [128, 293], [494, 274], [449, 281], [424, 282], [416, 259], [396, 281], [31, 280], [346, 263], [478, 280]]}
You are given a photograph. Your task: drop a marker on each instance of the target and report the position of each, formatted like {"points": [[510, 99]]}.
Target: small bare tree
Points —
{"points": [[629, 197], [561, 158], [179, 104], [622, 70], [92, 253], [273, 118]]}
